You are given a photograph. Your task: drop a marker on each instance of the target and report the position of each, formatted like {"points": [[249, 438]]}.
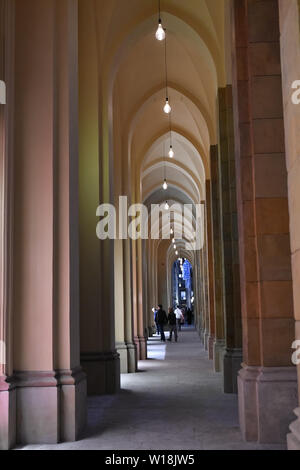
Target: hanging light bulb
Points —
{"points": [[160, 33], [172, 231], [173, 241], [167, 207], [167, 107], [165, 185], [176, 253], [171, 152], [175, 247]]}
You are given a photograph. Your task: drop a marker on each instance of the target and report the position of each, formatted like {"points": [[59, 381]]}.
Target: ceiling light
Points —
{"points": [[160, 33], [171, 152], [167, 107]]}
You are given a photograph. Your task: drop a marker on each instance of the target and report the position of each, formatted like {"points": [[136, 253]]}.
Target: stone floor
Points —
{"points": [[175, 402]]}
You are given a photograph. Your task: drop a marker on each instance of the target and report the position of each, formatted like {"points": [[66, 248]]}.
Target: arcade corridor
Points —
{"points": [[149, 155], [175, 401]]}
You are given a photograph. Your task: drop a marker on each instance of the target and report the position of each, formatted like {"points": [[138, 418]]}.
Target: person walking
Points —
{"points": [[179, 317], [162, 320], [155, 310], [189, 316], [172, 325]]}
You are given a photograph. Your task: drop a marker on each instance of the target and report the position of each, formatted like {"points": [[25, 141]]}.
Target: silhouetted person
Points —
{"points": [[172, 324], [162, 320], [155, 321], [189, 316]]}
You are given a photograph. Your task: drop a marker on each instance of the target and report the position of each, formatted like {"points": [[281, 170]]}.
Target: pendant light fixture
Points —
{"points": [[167, 107], [167, 207], [171, 151], [160, 33], [165, 184]]}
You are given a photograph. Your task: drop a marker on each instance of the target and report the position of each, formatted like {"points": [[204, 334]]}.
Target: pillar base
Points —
{"points": [[218, 354], [211, 340], [151, 331], [293, 439], [102, 371], [206, 337], [141, 347], [37, 407], [7, 413], [266, 397], [201, 334], [128, 357], [233, 359], [73, 410]]}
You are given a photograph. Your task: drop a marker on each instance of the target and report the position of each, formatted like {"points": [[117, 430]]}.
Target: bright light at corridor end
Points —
{"points": [[160, 33]]}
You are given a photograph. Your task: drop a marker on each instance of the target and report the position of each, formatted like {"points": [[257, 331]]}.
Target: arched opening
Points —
{"points": [[183, 287]]}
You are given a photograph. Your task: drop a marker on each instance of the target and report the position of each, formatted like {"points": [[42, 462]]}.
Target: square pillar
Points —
{"points": [[263, 219], [50, 386], [219, 340]]}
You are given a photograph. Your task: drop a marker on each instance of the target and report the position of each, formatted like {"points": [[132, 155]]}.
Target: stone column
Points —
{"points": [[7, 387], [120, 307], [131, 347], [50, 384], [122, 255], [204, 310], [151, 295], [139, 326], [123, 304], [211, 338], [70, 377], [219, 342], [199, 314], [196, 284], [289, 13], [206, 288], [267, 384], [233, 322], [98, 355]]}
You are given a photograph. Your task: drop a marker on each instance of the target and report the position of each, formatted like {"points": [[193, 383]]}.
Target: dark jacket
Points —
{"points": [[172, 319], [161, 317]]}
